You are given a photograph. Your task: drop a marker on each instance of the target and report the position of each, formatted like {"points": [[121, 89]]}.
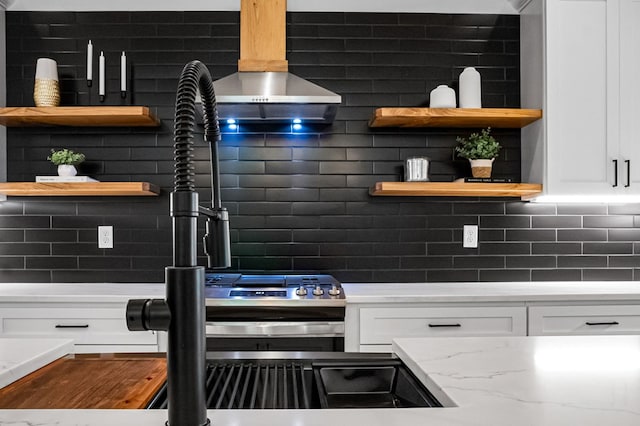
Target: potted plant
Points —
{"points": [[480, 149], [66, 160]]}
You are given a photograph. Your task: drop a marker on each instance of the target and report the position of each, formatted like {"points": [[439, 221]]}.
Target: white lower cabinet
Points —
{"points": [[380, 325], [94, 327], [584, 320]]}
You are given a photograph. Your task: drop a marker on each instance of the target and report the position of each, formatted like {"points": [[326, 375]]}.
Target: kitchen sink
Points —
{"points": [[309, 381]]}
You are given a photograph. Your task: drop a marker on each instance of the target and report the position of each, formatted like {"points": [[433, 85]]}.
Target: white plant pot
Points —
{"points": [[67, 170], [481, 168]]}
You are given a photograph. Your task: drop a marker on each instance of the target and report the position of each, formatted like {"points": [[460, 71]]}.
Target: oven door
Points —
{"points": [[319, 336]]}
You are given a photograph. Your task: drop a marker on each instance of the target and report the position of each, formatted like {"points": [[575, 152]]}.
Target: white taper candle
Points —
{"points": [[89, 63], [101, 83], [123, 74]]}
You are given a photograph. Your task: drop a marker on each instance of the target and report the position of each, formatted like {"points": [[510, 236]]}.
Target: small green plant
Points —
{"points": [[65, 156], [479, 146]]}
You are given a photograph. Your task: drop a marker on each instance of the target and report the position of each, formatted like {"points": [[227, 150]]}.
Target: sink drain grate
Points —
{"points": [[258, 386], [255, 386]]}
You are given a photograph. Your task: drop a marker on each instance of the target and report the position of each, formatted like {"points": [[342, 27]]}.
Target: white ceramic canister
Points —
{"points": [[416, 169], [470, 90], [442, 96]]}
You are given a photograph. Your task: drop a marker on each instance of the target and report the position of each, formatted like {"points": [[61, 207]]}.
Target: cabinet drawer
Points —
{"points": [[381, 325], [105, 326], [566, 320]]}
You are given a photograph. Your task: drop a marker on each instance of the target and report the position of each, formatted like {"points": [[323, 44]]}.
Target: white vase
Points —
{"points": [[442, 96], [481, 168], [67, 170], [46, 91], [469, 87]]}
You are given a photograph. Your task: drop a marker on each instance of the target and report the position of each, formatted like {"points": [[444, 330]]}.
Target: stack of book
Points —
{"points": [[485, 180], [65, 179]]}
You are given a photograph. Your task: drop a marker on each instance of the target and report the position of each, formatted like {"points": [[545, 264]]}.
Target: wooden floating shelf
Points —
{"points": [[78, 189], [456, 189], [455, 117], [108, 116]]}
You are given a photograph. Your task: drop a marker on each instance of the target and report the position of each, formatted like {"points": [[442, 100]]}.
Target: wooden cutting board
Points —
{"points": [[88, 381]]}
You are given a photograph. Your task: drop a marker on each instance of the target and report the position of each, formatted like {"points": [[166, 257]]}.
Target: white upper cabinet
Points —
{"points": [[630, 90], [580, 64], [582, 141]]}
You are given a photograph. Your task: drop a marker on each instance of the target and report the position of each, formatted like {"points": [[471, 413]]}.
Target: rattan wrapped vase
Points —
{"points": [[46, 92]]}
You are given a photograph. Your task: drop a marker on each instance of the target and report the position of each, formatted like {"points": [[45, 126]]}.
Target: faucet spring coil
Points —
{"points": [[194, 75]]}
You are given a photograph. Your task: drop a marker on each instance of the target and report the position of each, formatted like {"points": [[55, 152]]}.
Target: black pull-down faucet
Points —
{"points": [[182, 313]]}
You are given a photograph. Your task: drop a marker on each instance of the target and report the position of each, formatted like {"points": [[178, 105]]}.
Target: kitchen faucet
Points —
{"points": [[182, 313]]}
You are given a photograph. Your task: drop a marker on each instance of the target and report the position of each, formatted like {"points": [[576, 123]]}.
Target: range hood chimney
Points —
{"points": [[263, 90]]}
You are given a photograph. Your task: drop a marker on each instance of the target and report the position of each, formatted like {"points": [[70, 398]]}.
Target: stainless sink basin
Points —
{"points": [[299, 380], [370, 384]]}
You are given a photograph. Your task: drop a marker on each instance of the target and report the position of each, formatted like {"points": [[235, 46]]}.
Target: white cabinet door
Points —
{"points": [[580, 61], [630, 94], [581, 320], [581, 102]]}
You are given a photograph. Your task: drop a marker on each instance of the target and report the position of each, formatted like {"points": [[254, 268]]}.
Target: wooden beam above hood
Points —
{"points": [[263, 34]]}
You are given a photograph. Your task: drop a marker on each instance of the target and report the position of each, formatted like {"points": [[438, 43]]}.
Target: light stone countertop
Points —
{"points": [[79, 292], [596, 291], [19, 357], [497, 381], [355, 292]]}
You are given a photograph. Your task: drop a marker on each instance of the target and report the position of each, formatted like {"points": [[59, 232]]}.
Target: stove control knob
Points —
{"points": [[335, 291], [301, 291], [318, 291]]}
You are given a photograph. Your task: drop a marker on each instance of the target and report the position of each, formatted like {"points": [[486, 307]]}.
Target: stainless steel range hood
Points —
{"points": [[274, 96], [263, 89]]}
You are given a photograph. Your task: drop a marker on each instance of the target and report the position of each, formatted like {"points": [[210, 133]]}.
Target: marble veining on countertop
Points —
{"points": [[550, 380], [19, 357]]}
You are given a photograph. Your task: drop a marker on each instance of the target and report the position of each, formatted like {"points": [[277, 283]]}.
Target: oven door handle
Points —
{"points": [[286, 329]]}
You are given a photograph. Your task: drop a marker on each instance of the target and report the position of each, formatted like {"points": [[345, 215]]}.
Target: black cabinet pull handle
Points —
{"points": [[444, 325], [603, 323], [628, 162], [72, 325], [615, 173]]}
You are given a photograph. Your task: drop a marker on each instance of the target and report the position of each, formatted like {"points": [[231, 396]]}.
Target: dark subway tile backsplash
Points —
{"points": [[298, 202]]}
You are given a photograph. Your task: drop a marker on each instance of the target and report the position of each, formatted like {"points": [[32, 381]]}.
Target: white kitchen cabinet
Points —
{"points": [[584, 319], [379, 325], [93, 326], [630, 89], [580, 61]]}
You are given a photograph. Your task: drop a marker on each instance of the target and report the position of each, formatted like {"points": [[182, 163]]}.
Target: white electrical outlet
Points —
{"points": [[105, 236], [470, 236]]}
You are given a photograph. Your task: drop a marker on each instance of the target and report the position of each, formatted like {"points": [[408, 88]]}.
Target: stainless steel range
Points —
{"points": [[274, 312]]}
